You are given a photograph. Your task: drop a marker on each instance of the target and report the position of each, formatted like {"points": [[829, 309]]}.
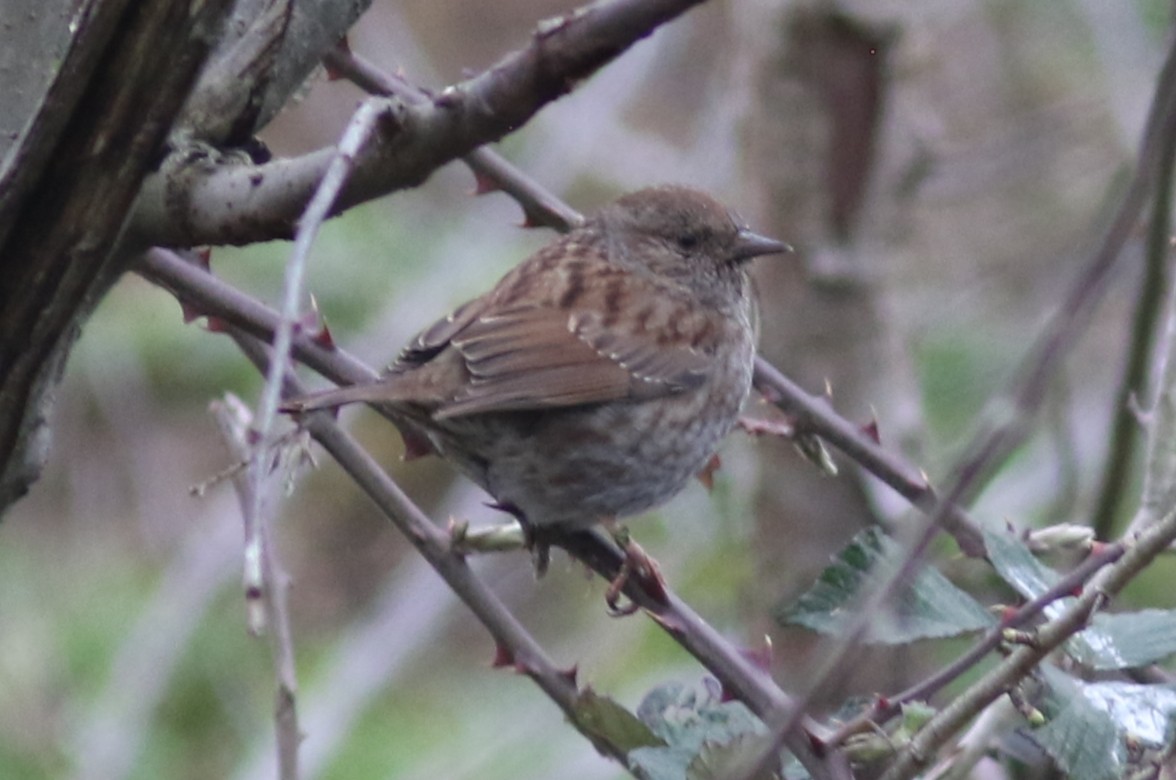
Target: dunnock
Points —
{"points": [[596, 377]]}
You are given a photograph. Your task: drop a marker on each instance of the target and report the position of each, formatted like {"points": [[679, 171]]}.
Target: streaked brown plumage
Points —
{"points": [[596, 377]]}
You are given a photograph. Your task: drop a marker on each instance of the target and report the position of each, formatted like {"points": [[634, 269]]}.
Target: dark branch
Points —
{"points": [[219, 204]]}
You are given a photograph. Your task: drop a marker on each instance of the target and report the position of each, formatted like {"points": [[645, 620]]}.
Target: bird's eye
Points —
{"points": [[689, 241]]}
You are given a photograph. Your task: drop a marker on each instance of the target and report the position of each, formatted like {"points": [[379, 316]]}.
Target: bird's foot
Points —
{"points": [[637, 563]]}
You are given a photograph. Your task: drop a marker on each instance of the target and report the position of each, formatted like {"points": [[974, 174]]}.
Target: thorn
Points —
{"points": [[570, 674], [502, 656], [190, 312], [871, 427], [760, 657], [1143, 417], [828, 388], [673, 627], [416, 444], [324, 338], [926, 480], [483, 184], [707, 475], [506, 506], [216, 325], [202, 257], [533, 217], [344, 47]]}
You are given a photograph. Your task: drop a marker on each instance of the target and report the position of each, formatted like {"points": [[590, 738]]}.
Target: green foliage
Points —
{"points": [[701, 732], [1113, 641], [931, 607], [1097, 731], [603, 719]]}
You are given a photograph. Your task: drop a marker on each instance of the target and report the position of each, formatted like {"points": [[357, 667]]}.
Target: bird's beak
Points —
{"points": [[749, 245]]}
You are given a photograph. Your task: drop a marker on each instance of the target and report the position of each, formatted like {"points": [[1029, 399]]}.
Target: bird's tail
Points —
{"points": [[371, 392]]}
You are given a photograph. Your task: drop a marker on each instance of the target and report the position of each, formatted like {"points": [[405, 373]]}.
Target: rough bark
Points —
{"points": [[69, 184]]}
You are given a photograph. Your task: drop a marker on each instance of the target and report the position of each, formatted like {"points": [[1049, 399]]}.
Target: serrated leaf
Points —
{"points": [[717, 761], [1125, 640], [604, 719], [931, 607], [1017, 566], [1120, 641], [687, 718], [1089, 723]]}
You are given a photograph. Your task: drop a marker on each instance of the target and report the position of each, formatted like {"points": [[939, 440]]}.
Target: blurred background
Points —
{"points": [[943, 168]]}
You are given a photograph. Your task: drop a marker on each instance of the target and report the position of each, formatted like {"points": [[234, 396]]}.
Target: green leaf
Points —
{"points": [[1120, 641], [1017, 566], [1126, 640], [603, 719], [1089, 723], [931, 607], [716, 761], [688, 719]]}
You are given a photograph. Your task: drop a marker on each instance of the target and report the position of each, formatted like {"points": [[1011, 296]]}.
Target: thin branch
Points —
{"points": [[885, 708], [198, 289], [265, 585], [810, 413], [1140, 552], [217, 204], [813, 414], [359, 131], [1125, 428], [524, 652], [493, 171], [1154, 527], [1008, 418]]}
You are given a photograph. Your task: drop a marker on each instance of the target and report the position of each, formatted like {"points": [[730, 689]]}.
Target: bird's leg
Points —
{"points": [[636, 562]]}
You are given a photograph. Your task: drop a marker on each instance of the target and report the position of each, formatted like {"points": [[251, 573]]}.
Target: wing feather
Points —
{"points": [[540, 358]]}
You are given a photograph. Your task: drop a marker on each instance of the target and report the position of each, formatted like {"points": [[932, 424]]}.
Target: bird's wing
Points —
{"points": [[537, 357]]}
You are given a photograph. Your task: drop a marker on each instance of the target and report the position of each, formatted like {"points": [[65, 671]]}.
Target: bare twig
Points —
{"points": [[358, 131], [813, 414], [265, 582], [491, 169], [1125, 427]]}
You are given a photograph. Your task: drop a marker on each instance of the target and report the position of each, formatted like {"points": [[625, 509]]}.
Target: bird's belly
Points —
{"points": [[576, 467]]}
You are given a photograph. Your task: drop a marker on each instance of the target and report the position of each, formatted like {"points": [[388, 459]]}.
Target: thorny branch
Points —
{"points": [[206, 203], [991, 445], [1008, 420], [199, 291]]}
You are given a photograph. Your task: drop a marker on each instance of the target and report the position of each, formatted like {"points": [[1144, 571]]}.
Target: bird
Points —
{"points": [[597, 377]]}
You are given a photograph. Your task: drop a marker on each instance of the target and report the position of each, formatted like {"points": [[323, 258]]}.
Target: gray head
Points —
{"points": [[684, 235]]}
